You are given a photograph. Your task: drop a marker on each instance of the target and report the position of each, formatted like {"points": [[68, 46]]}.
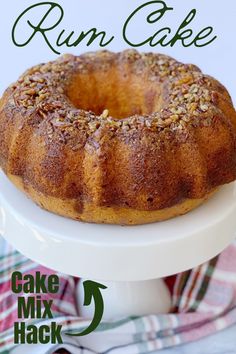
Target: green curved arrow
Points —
{"points": [[92, 290]]}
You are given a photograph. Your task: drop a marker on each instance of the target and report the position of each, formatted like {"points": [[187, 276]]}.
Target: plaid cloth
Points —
{"points": [[204, 302]]}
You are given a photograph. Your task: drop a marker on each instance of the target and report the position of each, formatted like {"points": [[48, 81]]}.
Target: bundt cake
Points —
{"points": [[121, 138]]}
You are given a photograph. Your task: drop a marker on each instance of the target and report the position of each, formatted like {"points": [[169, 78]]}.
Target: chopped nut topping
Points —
{"points": [[105, 113], [187, 93]]}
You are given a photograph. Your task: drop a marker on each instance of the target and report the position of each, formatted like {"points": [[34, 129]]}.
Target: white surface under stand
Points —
{"points": [[129, 260]]}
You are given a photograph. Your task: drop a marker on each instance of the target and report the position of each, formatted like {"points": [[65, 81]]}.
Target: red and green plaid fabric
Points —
{"points": [[204, 302]]}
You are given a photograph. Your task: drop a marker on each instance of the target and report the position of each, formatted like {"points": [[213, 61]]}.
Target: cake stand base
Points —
{"points": [[124, 299]]}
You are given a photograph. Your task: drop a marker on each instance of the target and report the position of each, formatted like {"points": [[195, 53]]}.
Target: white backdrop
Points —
{"points": [[218, 59]]}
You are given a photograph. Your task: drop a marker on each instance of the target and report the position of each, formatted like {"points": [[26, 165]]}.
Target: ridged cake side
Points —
{"points": [[177, 145]]}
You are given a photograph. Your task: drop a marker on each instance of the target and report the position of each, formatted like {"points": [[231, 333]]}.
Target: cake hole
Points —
{"points": [[113, 93]]}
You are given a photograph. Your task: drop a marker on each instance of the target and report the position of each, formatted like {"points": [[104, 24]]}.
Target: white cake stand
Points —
{"points": [[130, 260]]}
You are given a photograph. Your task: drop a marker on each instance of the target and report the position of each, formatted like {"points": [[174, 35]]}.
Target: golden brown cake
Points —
{"points": [[122, 138]]}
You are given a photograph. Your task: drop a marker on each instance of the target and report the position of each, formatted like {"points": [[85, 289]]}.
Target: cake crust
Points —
{"points": [[105, 214], [122, 138]]}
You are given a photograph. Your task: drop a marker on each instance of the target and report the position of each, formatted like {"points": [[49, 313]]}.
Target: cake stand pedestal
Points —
{"points": [[130, 260]]}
